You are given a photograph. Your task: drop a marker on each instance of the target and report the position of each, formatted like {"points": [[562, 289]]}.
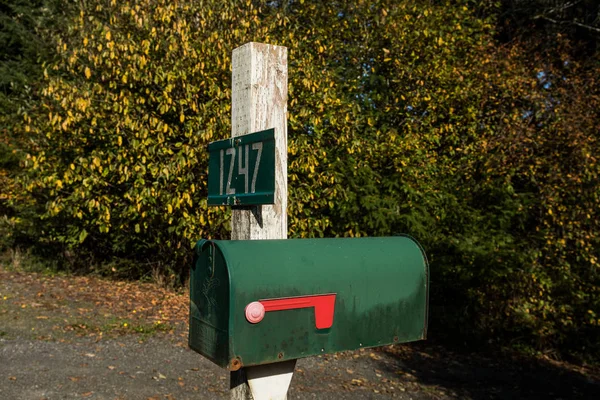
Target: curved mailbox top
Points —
{"points": [[262, 301]]}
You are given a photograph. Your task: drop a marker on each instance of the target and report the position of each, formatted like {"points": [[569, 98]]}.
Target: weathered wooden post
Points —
{"points": [[259, 102]]}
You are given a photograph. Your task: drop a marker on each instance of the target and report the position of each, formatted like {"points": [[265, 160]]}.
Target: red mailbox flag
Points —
{"points": [[324, 305]]}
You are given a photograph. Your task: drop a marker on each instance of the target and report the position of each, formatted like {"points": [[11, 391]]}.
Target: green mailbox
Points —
{"points": [[262, 301]]}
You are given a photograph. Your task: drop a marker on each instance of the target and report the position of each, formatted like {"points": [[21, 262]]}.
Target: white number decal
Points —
{"points": [[230, 152], [243, 170], [221, 172], [243, 167], [255, 146]]}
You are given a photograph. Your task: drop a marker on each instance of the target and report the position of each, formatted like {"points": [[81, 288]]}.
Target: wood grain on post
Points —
{"points": [[259, 102]]}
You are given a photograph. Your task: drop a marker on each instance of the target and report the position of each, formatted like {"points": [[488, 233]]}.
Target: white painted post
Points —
{"points": [[259, 102]]}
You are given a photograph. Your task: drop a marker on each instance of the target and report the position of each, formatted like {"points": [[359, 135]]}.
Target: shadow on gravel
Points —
{"points": [[482, 377]]}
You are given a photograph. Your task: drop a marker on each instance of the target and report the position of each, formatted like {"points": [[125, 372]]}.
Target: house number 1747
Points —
{"points": [[243, 161]]}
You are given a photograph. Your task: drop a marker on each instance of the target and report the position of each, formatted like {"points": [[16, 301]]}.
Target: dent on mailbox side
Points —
{"points": [[264, 301]]}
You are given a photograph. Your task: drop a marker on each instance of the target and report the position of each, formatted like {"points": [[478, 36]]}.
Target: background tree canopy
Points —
{"points": [[445, 120]]}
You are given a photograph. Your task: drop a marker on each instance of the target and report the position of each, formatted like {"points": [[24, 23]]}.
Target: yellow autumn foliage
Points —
{"points": [[404, 117]]}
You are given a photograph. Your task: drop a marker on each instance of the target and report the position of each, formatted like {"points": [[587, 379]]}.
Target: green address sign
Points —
{"points": [[241, 170]]}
